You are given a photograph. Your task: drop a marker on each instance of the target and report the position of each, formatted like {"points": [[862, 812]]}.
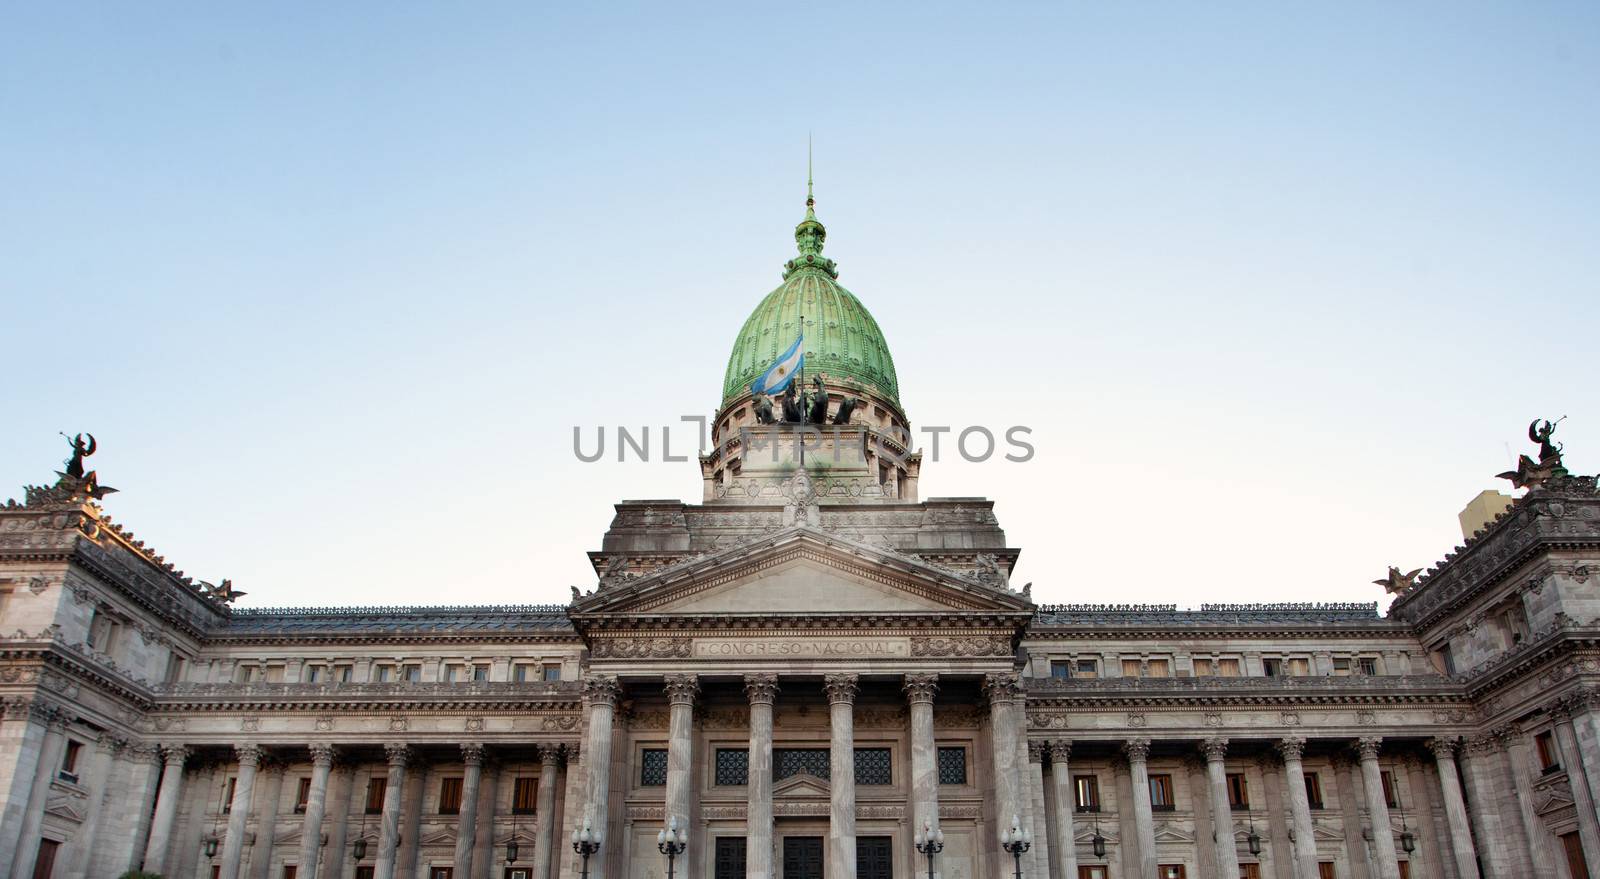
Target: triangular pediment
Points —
{"points": [[446, 836], [802, 784], [1169, 833], [800, 570]]}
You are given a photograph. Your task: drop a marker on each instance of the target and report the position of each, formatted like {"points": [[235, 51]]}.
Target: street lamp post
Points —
{"points": [[930, 841], [585, 841], [671, 841], [1016, 841]]}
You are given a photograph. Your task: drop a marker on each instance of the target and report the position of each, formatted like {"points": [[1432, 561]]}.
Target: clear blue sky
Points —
{"points": [[1277, 286]]}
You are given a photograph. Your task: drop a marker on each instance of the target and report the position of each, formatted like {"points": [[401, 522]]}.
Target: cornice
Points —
{"points": [[1382, 689], [975, 623], [368, 697]]}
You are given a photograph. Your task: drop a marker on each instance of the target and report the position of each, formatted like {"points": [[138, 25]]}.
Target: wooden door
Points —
{"points": [[46, 860], [874, 857], [802, 857], [728, 860]]}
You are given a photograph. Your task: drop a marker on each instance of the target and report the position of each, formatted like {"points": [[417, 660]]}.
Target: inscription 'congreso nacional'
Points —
{"points": [[736, 669], [795, 648]]}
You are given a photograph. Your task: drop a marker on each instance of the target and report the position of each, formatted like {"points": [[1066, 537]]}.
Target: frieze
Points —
{"points": [[801, 648], [642, 648], [960, 647]]}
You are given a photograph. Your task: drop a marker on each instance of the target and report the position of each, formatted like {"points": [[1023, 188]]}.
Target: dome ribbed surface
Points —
{"points": [[842, 339]]}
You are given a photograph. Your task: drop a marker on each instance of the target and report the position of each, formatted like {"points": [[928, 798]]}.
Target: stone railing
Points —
{"points": [[1222, 685], [394, 690], [1159, 614]]}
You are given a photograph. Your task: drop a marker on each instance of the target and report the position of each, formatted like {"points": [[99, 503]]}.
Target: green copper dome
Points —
{"points": [[843, 342]]}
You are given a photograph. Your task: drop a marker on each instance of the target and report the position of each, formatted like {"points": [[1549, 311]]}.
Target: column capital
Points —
{"points": [[322, 754], [1060, 750], [1036, 750], [572, 752], [175, 755], [1215, 749], [472, 753], [398, 753], [761, 689], [1292, 747], [1443, 749], [921, 687], [681, 688], [249, 755], [1002, 687], [1367, 747], [549, 754], [841, 687], [1138, 750], [1482, 745], [601, 690]]}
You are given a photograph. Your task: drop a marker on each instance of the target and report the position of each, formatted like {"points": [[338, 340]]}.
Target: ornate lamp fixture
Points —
{"points": [[1016, 841], [671, 841], [216, 822], [930, 841], [512, 849], [1099, 842], [585, 841], [1408, 840], [359, 850], [1254, 839]]}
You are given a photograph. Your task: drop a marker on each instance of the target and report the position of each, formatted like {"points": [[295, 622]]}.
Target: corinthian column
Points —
{"points": [[1378, 809], [1216, 751], [1294, 780], [171, 792], [761, 689], [1063, 838], [467, 819], [316, 807], [244, 786], [389, 825], [842, 689], [1455, 809], [1144, 820], [601, 692], [681, 691], [920, 690], [1003, 691], [544, 815], [1578, 769]]}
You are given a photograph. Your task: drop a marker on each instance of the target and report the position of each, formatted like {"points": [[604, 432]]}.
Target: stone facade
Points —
{"points": [[802, 674]]}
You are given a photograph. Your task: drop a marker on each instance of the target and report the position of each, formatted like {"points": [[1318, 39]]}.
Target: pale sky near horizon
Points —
{"points": [[1277, 287]]}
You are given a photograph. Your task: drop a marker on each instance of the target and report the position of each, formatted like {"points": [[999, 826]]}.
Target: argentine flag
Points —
{"points": [[780, 374]]}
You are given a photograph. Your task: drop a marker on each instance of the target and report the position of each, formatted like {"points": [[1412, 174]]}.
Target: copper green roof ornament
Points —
{"points": [[810, 234]]}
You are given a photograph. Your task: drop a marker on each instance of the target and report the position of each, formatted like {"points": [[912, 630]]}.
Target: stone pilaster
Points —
{"points": [[544, 822], [399, 755], [142, 780], [601, 692], [572, 806], [1039, 827], [493, 790], [1216, 752], [1462, 851], [841, 690], [1538, 843], [1063, 838], [54, 748], [1478, 765], [417, 782], [762, 691], [267, 822], [316, 808], [337, 852], [1003, 691], [168, 796], [467, 817], [22, 736], [1141, 862], [106, 749], [1294, 781], [244, 788], [1388, 863]]}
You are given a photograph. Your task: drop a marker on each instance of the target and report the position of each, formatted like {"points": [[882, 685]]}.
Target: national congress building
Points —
{"points": [[809, 672]]}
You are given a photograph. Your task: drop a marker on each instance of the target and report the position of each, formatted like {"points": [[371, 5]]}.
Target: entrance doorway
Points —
{"points": [[802, 857], [874, 857]]}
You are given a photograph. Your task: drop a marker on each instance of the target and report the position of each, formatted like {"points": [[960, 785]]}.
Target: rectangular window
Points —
{"points": [[732, 766], [313, 674], [69, 761], [519, 673], [1577, 864], [1088, 668], [1367, 666], [1299, 667], [1228, 668], [376, 788], [174, 668], [227, 800], [1325, 870], [1389, 790], [452, 673], [1238, 791], [1159, 668], [290, 871], [343, 673], [1341, 668], [953, 765], [302, 795], [1161, 793], [1545, 744], [1060, 668], [1405, 869], [1202, 668], [480, 674], [552, 672], [383, 674], [1087, 792], [1094, 871], [524, 796], [1249, 871], [441, 872], [1130, 668], [1313, 790], [412, 674], [365, 872], [274, 674], [1272, 667], [794, 761], [1171, 871], [449, 796], [653, 767], [872, 766]]}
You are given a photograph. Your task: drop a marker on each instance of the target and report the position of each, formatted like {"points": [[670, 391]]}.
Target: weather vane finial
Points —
{"points": [[811, 201]]}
